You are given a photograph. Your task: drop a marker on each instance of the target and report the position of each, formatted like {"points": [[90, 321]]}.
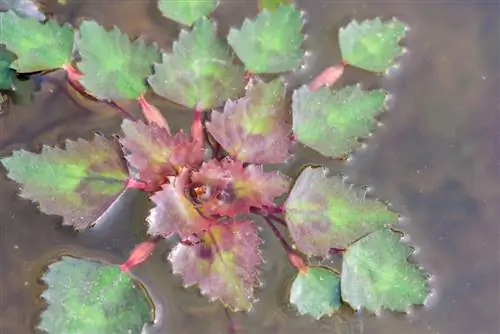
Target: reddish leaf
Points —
{"points": [[254, 128], [232, 188], [79, 182], [224, 265], [174, 212], [156, 154]]}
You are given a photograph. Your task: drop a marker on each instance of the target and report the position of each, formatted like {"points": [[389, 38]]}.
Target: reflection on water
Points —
{"points": [[436, 159]]}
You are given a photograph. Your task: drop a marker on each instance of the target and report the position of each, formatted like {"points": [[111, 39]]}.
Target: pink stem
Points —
{"points": [[233, 326], [197, 126], [139, 254], [74, 75], [328, 77], [135, 184], [336, 250], [294, 258], [152, 114]]}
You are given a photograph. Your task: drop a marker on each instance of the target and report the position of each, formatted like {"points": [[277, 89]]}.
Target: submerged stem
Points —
{"points": [[233, 327], [293, 256]]}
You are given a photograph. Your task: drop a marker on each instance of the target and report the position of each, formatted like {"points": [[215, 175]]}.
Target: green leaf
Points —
{"points": [[200, 72], [331, 122], [271, 5], [38, 46], [25, 8], [113, 67], [6, 73], [372, 45], [376, 274], [224, 264], [272, 43], [255, 128], [323, 212], [89, 297], [79, 182], [316, 292], [186, 11]]}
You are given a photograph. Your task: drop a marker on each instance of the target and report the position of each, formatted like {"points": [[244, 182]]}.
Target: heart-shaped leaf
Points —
{"points": [[323, 212], [186, 11], [316, 292], [200, 72], [25, 8], [79, 182], [255, 128], [38, 46], [272, 43], [376, 274], [372, 45], [6, 73], [331, 122], [156, 154], [113, 67], [224, 264], [174, 212], [232, 188], [88, 297]]}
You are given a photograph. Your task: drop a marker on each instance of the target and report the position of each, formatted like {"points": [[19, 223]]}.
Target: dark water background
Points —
{"points": [[436, 159]]}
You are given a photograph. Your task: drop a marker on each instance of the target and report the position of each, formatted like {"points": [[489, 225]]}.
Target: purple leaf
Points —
{"points": [[174, 212], [156, 154], [255, 128], [224, 265]]}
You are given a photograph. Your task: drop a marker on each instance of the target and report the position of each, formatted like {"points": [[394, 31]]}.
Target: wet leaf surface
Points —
{"points": [[255, 128], [372, 45], [78, 182], [113, 67], [232, 188], [200, 72], [333, 121], [376, 274], [156, 154], [323, 212], [316, 292], [186, 11], [38, 46], [224, 264], [272, 43], [88, 297]]}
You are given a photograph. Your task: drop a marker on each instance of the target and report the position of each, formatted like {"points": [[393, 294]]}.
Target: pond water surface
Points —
{"points": [[435, 158]]}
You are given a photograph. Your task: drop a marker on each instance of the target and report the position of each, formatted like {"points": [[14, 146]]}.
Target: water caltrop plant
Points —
{"points": [[208, 186]]}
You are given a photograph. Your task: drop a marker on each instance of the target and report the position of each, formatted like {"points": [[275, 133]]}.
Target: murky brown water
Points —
{"points": [[436, 159]]}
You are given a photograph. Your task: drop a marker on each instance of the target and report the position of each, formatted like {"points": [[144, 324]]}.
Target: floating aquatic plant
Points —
{"points": [[202, 181]]}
